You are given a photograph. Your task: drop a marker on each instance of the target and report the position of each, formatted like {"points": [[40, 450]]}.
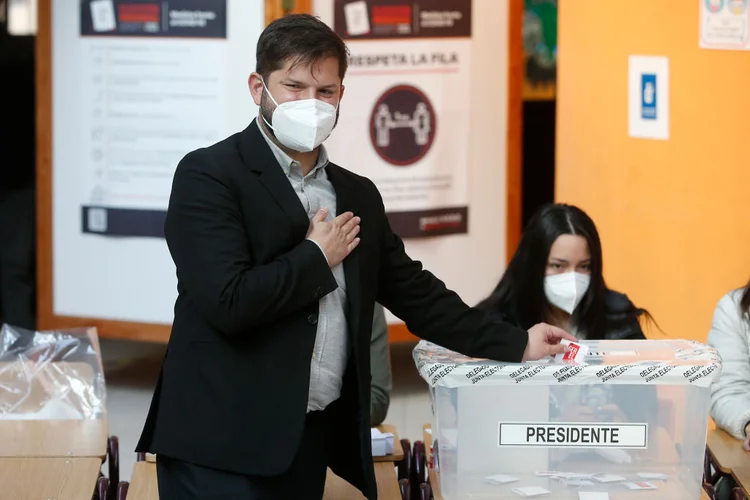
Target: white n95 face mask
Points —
{"points": [[566, 290], [302, 125]]}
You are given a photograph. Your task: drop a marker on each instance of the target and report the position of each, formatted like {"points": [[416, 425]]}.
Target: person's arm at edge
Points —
{"points": [[730, 395], [380, 367], [206, 238]]}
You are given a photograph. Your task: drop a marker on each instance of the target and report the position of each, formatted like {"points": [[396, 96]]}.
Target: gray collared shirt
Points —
{"points": [[329, 357]]}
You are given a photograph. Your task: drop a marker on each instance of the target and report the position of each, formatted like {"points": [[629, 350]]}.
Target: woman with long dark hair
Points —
{"points": [[555, 277]]}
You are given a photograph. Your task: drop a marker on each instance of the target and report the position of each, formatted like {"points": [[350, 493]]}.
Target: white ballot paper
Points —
{"points": [[501, 479], [382, 442], [530, 491], [593, 495], [574, 352]]}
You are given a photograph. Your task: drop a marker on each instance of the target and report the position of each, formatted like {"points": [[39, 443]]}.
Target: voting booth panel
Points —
{"points": [[505, 430]]}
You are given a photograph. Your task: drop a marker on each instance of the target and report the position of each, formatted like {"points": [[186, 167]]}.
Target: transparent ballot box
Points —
{"points": [[630, 420]]}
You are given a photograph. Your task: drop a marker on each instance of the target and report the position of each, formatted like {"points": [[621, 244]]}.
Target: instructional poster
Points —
{"points": [[724, 24], [405, 120], [136, 85], [153, 87]]}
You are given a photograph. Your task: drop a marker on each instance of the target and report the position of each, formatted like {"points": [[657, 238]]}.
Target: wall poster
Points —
{"points": [[406, 121], [724, 24], [152, 88]]}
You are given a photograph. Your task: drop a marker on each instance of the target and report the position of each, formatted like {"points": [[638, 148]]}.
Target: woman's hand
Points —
{"points": [[746, 442]]}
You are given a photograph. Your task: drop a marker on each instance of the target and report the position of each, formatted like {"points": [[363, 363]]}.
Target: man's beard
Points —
{"points": [[267, 108]]}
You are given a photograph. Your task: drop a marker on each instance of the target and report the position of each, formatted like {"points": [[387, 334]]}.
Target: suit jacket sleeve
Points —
{"points": [[206, 237], [380, 367], [434, 313]]}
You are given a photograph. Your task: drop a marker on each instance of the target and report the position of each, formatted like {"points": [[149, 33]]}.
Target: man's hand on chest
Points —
{"points": [[336, 238]]}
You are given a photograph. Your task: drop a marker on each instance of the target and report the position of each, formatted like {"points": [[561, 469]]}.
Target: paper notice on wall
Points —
{"points": [[648, 97], [724, 24], [405, 116], [152, 87], [103, 15]]}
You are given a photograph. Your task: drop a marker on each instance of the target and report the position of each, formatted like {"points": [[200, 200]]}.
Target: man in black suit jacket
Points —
{"points": [[266, 380]]}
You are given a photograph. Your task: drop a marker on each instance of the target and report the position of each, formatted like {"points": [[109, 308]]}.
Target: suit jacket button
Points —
{"points": [[312, 319], [317, 293]]}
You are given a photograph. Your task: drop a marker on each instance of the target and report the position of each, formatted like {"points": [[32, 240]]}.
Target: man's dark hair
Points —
{"points": [[301, 37]]}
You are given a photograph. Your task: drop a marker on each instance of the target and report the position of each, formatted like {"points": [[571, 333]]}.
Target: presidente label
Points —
{"points": [[573, 435]]}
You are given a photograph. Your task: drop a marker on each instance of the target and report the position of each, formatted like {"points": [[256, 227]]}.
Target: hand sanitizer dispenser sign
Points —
{"points": [[605, 415]]}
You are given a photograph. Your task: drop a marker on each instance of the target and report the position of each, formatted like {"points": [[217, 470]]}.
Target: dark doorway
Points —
{"points": [[538, 156], [539, 94]]}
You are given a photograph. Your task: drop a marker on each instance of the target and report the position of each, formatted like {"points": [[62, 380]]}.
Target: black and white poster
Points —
{"points": [[153, 86]]}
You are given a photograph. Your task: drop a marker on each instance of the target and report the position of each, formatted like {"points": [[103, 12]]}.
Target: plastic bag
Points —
{"points": [[51, 375]]}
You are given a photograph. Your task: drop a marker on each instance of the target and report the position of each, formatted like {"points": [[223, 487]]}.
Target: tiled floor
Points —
{"points": [[132, 368]]}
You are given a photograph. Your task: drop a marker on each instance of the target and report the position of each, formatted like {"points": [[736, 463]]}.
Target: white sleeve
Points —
{"points": [[730, 395]]}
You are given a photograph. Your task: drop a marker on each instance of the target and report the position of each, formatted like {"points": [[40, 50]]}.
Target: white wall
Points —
{"points": [[471, 264]]}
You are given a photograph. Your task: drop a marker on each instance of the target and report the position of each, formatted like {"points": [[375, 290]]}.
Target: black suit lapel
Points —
{"points": [[346, 201], [259, 157]]}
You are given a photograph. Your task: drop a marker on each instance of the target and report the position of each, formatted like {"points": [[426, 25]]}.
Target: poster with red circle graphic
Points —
{"points": [[402, 125], [405, 117]]}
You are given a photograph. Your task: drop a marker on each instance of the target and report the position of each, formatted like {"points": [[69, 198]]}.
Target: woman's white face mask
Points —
{"points": [[565, 291]]}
